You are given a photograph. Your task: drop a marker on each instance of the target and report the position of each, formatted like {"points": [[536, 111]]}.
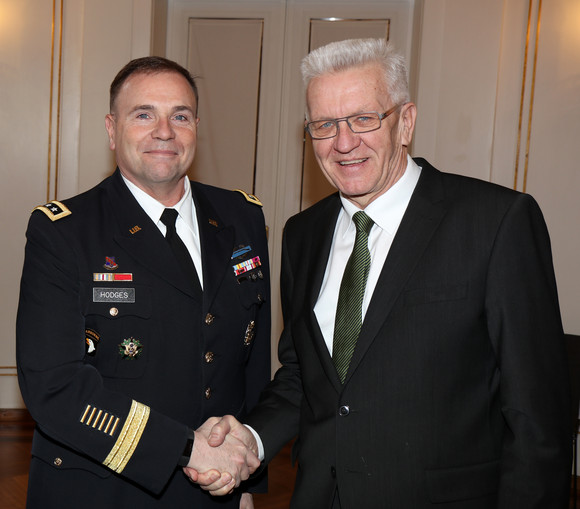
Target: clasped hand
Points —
{"points": [[224, 454]]}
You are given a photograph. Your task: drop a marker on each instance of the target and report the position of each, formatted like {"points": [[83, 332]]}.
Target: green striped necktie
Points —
{"points": [[348, 319]]}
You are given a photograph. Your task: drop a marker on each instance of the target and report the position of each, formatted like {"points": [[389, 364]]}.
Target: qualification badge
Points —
{"points": [[130, 348], [250, 333]]}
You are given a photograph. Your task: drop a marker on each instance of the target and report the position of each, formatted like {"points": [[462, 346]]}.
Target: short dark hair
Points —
{"points": [[149, 65]]}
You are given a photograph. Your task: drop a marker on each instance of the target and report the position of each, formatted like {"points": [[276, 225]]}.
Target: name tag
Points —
{"points": [[114, 295]]}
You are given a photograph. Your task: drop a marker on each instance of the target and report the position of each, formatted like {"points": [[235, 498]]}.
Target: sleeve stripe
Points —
{"points": [[128, 438]]}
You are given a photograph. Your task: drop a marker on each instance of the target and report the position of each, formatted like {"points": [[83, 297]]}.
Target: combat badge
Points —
{"points": [[241, 251], [130, 348], [54, 210]]}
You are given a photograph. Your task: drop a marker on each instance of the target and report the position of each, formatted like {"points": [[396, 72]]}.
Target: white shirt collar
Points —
{"points": [[388, 209], [153, 208]]}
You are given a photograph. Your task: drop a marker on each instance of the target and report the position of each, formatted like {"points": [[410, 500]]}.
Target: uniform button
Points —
{"points": [[208, 393], [344, 411], [260, 298], [57, 462], [209, 357], [333, 472], [113, 311], [209, 319]]}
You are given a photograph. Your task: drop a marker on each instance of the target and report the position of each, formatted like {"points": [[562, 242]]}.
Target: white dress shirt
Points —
{"points": [[387, 212], [186, 224]]}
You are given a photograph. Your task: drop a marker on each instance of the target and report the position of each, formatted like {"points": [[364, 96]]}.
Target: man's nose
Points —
{"points": [[345, 139], [163, 129]]}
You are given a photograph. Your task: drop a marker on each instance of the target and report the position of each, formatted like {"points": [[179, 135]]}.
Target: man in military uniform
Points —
{"points": [[144, 310]]}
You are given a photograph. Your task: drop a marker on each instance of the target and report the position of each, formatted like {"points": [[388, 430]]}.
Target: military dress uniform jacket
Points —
{"points": [[457, 393], [118, 354]]}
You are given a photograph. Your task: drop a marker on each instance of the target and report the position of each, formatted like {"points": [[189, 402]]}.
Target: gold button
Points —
{"points": [[209, 357], [209, 319], [113, 311], [208, 393], [57, 462]]}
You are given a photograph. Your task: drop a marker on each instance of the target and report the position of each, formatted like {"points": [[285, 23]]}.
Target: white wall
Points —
{"points": [[473, 97]]}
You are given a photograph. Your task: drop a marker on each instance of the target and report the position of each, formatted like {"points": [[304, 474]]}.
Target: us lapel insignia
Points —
{"points": [[213, 222], [250, 333], [135, 229], [130, 348], [110, 263]]}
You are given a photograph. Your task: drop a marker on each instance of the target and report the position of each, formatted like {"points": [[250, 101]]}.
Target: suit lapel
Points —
{"points": [[141, 239], [422, 217], [318, 256], [217, 244]]}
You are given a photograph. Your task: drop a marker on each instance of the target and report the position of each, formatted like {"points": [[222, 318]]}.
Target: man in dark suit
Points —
{"points": [[144, 310], [454, 394]]}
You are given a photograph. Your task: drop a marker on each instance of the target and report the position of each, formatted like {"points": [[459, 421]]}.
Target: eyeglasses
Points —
{"points": [[359, 123]]}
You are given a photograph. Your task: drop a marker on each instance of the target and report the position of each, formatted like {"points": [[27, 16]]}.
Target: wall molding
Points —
{"points": [[527, 92]]}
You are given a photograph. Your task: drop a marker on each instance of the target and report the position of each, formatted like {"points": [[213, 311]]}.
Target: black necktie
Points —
{"points": [[348, 319], [179, 249]]}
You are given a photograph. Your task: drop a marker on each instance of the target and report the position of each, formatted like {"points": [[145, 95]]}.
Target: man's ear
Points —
{"points": [[111, 127], [407, 123]]}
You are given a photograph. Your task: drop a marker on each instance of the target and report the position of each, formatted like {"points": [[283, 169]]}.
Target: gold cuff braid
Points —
{"points": [[129, 437]]}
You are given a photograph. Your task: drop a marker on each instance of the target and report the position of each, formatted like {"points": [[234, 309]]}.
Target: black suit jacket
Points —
{"points": [[457, 393], [198, 356]]}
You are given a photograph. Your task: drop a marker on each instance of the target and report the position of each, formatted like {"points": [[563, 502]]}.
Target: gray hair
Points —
{"points": [[344, 55]]}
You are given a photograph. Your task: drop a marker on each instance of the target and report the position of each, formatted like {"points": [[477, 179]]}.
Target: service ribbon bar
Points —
{"points": [[110, 276], [247, 265]]}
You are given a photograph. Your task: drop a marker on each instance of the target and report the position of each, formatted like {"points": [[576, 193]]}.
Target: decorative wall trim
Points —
{"points": [[55, 90], [524, 91], [4, 370]]}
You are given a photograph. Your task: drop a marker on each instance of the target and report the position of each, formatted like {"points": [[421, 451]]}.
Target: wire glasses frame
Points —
{"points": [[359, 123]]}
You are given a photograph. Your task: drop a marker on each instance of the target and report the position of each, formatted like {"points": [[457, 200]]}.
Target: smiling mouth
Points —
{"points": [[354, 161], [162, 152]]}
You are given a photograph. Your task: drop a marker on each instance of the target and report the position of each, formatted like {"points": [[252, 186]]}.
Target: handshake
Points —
{"points": [[224, 454]]}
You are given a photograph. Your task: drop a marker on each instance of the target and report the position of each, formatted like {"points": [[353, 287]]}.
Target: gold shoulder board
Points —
{"points": [[250, 197], [55, 210]]}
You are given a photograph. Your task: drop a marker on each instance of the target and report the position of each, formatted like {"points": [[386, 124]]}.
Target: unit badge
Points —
{"points": [[110, 263], [130, 348], [92, 339]]}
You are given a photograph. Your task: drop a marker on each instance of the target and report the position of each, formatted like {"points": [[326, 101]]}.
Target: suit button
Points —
{"points": [[57, 462], [113, 311], [343, 411], [209, 318], [208, 393], [209, 357], [333, 472]]}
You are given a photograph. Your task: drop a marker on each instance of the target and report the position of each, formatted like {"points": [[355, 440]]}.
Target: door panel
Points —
{"points": [[228, 79]]}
